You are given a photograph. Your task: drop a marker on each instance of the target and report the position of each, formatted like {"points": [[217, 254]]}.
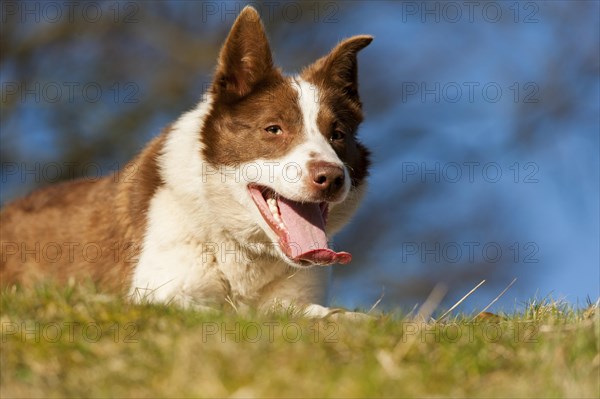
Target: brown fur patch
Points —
{"points": [[235, 133], [84, 229]]}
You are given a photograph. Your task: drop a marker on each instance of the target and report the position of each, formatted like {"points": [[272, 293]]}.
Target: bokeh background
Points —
{"points": [[483, 120]]}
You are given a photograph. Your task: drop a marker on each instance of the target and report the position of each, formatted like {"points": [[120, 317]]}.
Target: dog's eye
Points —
{"points": [[274, 129], [337, 135]]}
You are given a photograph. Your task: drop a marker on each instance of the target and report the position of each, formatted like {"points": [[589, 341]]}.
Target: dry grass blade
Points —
{"points": [[232, 303], [460, 301], [378, 301], [495, 299]]}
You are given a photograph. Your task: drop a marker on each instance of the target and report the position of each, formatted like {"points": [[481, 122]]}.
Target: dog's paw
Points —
{"points": [[314, 311], [342, 314], [337, 314]]}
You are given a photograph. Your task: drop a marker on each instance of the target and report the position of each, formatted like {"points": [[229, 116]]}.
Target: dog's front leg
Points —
{"points": [[302, 293]]}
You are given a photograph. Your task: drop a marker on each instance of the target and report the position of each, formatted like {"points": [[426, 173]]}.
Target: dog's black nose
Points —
{"points": [[327, 178]]}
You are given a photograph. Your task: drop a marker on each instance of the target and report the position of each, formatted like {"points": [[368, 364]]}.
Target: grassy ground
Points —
{"points": [[73, 342]]}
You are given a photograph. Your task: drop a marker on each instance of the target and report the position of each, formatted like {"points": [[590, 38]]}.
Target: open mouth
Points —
{"points": [[300, 227]]}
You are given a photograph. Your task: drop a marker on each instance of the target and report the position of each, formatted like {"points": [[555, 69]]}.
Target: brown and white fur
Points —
{"points": [[178, 224]]}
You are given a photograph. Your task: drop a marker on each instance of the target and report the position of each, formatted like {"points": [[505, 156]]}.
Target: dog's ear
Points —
{"points": [[245, 58], [339, 68]]}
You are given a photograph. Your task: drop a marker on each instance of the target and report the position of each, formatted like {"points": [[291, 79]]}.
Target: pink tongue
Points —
{"points": [[307, 240]]}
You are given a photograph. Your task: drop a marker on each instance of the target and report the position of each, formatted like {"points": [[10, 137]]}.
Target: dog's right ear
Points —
{"points": [[245, 58]]}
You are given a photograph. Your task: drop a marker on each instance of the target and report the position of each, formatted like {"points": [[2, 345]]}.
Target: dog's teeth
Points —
{"points": [[272, 204]]}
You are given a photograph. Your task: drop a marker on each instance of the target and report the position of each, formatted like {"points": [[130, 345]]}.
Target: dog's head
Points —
{"points": [[285, 147]]}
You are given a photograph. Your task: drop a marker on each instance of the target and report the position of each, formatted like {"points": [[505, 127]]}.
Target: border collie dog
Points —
{"points": [[232, 204]]}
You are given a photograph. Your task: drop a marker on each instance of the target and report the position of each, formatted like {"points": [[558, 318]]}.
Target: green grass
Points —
{"points": [[75, 342]]}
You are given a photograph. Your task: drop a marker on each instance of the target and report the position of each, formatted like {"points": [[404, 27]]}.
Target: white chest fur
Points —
{"points": [[186, 260]]}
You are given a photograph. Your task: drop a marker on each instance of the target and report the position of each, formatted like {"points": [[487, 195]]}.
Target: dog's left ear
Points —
{"points": [[245, 58], [340, 67]]}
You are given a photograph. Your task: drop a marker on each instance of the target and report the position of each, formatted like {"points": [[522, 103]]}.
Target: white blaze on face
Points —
{"points": [[316, 144], [309, 102]]}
